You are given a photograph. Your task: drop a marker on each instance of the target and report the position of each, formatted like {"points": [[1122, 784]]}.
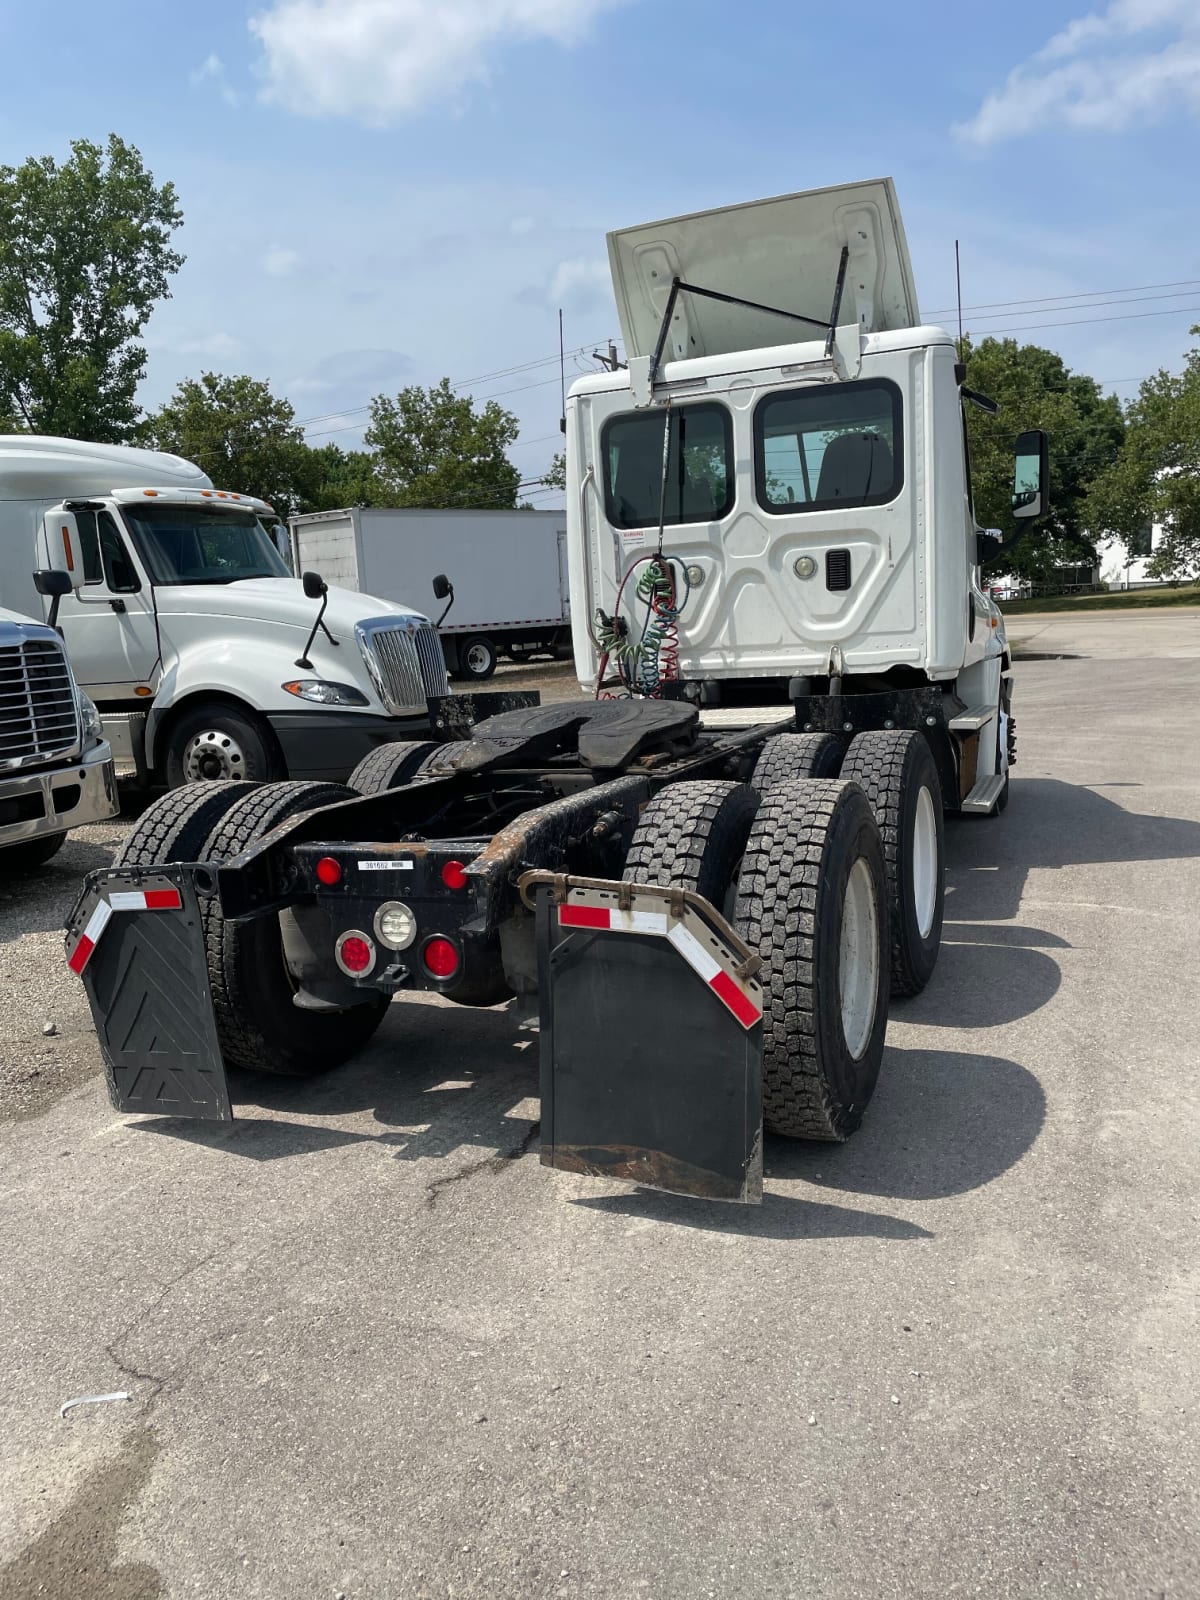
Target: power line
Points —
{"points": [[1081, 294], [461, 383], [1078, 322], [1132, 300]]}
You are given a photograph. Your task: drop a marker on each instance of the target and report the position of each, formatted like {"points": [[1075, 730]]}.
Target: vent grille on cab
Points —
{"points": [[837, 569]]}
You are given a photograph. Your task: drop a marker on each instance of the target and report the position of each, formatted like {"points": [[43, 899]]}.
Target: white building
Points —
{"points": [[1123, 567]]}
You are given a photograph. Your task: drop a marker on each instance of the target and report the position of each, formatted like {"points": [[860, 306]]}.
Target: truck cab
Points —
{"points": [[187, 628], [810, 498]]}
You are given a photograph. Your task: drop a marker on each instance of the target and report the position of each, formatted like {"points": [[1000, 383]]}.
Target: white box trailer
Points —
{"points": [[508, 570]]}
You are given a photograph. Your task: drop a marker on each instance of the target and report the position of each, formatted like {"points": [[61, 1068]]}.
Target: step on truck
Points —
{"points": [[704, 880]]}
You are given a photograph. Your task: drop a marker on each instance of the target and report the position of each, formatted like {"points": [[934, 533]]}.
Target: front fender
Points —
{"points": [[249, 673]]}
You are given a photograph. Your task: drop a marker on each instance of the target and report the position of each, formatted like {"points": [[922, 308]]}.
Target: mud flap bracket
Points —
{"points": [[651, 1039], [137, 941]]}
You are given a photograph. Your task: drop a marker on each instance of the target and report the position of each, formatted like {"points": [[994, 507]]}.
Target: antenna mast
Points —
{"points": [[958, 285]]}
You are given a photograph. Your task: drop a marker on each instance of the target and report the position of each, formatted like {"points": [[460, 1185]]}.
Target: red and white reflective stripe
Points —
{"points": [[119, 900], [90, 937], [612, 920], [146, 900]]}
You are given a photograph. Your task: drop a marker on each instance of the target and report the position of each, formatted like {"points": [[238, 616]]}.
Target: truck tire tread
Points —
{"points": [[390, 765], [176, 825], [804, 841], [692, 836], [891, 766], [798, 755]]}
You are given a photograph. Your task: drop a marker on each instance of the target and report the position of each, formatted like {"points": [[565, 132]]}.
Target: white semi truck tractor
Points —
{"points": [[206, 658], [705, 880]]}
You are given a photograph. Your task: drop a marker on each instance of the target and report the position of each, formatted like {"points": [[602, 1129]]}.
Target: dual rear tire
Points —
{"points": [[800, 875]]}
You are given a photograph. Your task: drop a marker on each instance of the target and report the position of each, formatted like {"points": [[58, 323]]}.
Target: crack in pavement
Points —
{"points": [[112, 1348], [495, 1163]]}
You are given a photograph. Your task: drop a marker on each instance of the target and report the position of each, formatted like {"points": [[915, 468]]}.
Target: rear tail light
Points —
{"points": [[440, 957], [329, 871], [454, 875], [354, 953]]}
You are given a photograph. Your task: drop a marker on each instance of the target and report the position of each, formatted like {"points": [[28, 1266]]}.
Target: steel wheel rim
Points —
{"points": [[858, 959], [925, 862], [212, 755], [478, 659]]}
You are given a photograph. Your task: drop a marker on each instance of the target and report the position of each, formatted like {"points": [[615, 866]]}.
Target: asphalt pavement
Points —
{"points": [[374, 1349]]}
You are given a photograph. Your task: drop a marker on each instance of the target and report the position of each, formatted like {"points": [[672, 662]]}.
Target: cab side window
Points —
{"points": [[105, 558], [118, 569], [89, 540]]}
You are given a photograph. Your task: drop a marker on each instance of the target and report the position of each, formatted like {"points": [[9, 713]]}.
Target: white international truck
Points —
{"points": [[508, 570], [184, 625], [704, 909], [56, 769]]}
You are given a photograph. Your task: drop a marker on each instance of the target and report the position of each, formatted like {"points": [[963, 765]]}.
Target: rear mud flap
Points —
{"points": [[136, 940], [651, 1039]]}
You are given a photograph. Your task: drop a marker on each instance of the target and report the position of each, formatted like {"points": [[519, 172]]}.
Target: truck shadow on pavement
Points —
{"points": [[441, 1083]]}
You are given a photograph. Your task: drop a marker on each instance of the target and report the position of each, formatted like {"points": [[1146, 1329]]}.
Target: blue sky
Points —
{"points": [[380, 192]]}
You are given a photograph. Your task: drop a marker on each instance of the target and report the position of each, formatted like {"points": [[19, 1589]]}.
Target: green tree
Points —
{"points": [[334, 478], [245, 438], [85, 254], [433, 448], [1156, 477], [1036, 389], [555, 476]]}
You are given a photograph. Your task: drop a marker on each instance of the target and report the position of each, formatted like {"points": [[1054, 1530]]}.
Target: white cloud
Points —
{"points": [[1088, 77], [212, 71], [279, 263], [210, 344], [580, 284], [378, 60]]}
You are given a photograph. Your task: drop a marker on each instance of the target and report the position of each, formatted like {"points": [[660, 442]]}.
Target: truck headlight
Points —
{"points": [[89, 721], [324, 693]]}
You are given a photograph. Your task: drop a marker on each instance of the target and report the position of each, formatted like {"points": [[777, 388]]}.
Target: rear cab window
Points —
{"points": [[826, 447], [700, 470]]}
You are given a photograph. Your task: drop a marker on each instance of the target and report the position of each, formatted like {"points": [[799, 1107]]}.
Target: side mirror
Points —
{"points": [[63, 547], [50, 581], [315, 586], [1031, 475], [442, 587]]}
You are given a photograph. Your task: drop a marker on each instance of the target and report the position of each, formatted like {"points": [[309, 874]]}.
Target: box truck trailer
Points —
{"points": [[508, 570]]}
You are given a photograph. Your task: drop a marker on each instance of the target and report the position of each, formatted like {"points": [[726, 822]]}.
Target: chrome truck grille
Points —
{"points": [[39, 718], [405, 661]]}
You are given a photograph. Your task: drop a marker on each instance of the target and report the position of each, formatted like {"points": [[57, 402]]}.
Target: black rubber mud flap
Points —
{"points": [[136, 940], [651, 1043]]}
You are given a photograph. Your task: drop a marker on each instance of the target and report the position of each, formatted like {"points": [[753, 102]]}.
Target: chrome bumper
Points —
{"points": [[55, 800]]}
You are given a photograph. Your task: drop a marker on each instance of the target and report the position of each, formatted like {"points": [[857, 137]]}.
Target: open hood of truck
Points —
{"points": [[783, 252], [273, 600]]}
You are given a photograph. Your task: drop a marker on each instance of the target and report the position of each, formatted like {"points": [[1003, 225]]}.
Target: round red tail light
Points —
{"points": [[440, 957], [329, 871], [355, 954], [454, 875]]}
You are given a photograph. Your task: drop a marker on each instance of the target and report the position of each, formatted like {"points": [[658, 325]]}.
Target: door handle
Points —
{"points": [[117, 605]]}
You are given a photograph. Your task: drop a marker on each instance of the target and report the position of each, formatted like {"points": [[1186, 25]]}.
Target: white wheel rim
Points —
{"points": [[925, 862], [478, 658], [211, 755], [858, 959]]}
